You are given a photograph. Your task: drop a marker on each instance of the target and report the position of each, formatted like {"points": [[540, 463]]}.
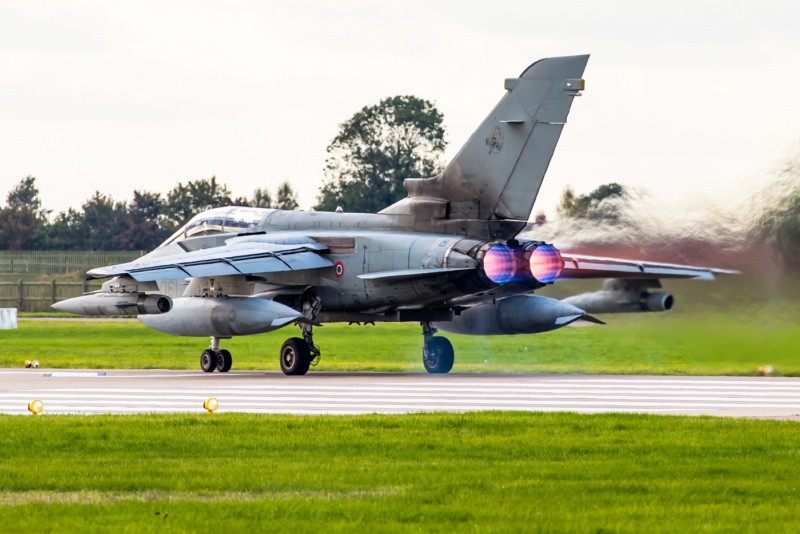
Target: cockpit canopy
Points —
{"points": [[227, 220]]}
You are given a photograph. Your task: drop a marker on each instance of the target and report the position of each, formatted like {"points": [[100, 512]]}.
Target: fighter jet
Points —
{"points": [[448, 256]]}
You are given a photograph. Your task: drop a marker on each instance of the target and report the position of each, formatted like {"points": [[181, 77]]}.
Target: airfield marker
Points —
{"points": [[36, 406], [211, 404]]}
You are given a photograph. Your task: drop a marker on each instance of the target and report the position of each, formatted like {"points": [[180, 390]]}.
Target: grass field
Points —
{"points": [[643, 344], [478, 472], [475, 472]]}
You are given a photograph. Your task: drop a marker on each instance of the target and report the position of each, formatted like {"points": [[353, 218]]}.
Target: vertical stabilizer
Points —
{"points": [[497, 174]]}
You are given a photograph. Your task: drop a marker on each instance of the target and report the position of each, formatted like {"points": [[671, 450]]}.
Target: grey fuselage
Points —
{"points": [[358, 244], [424, 252]]}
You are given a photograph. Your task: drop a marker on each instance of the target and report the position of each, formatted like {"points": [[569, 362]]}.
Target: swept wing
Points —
{"points": [[246, 258], [577, 266]]}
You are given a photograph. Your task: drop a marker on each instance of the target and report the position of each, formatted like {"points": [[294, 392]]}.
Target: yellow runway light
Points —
{"points": [[28, 364], [36, 406], [211, 404]]}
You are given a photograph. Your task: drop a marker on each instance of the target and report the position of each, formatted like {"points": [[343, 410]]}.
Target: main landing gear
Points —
{"points": [[295, 356], [215, 358], [437, 352], [298, 353]]}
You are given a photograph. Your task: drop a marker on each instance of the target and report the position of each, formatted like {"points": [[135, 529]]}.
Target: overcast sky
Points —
{"points": [[682, 98]]}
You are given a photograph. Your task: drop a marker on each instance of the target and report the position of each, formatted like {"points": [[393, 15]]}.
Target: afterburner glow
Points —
{"points": [[499, 264], [530, 262], [546, 263]]}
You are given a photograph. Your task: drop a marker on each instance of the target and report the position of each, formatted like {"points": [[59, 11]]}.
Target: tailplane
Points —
{"points": [[491, 184]]}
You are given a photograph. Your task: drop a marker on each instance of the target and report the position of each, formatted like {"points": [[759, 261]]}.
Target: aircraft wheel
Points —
{"points": [[295, 356], [208, 361], [438, 355], [224, 361]]}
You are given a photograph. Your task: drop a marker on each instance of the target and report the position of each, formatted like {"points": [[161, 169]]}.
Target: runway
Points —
{"points": [[143, 391]]}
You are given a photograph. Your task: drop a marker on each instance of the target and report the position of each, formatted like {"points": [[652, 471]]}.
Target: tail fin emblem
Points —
{"points": [[495, 141]]}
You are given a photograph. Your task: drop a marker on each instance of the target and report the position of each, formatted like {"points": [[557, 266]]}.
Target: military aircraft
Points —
{"points": [[448, 256]]}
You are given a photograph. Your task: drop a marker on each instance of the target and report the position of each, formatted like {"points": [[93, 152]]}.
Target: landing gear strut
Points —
{"points": [[311, 308], [296, 353], [437, 352], [215, 358]]}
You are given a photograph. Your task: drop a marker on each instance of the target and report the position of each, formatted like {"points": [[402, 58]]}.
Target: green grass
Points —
{"points": [[698, 344], [477, 472]]}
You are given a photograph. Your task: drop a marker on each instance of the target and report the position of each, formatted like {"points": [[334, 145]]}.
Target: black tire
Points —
{"points": [[295, 356], [438, 355], [208, 361], [224, 361]]}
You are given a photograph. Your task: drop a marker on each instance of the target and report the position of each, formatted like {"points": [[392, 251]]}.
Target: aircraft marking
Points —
{"points": [[495, 141]]}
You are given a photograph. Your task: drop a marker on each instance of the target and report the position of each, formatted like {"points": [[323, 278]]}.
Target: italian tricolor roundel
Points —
{"points": [[338, 268]]}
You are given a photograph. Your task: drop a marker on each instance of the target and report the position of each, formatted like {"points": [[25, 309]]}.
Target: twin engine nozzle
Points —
{"points": [[525, 262]]}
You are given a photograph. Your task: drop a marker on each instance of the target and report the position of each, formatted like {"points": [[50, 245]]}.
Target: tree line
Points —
{"points": [[770, 219], [105, 224], [375, 150]]}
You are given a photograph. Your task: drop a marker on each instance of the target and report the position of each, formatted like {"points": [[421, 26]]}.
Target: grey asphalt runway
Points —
{"points": [[138, 391]]}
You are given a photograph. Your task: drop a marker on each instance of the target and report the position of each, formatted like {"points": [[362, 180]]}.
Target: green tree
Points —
{"points": [[141, 226], [379, 147], [103, 221], [286, 197], [65, 232], [25, 194], [96, 227], [596, 205], [22, 217], [186, 201], [261, 198]]}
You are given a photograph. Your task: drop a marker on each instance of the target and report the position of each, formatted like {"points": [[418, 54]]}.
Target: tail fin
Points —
{"points": [[497, 174]]}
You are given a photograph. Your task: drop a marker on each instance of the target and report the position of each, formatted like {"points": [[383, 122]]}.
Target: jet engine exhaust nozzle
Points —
{"points": [[513, 263], [622, 302]]}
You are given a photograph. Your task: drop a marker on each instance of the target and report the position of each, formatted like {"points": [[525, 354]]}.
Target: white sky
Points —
{"points": [[684, 98]]}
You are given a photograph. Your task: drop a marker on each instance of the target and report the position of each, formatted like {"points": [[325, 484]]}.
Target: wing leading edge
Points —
{"points": [[242, 258]]}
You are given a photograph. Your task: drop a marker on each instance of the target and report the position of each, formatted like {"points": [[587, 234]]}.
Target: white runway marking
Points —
{"points": [[72, 374], [125, 391]]}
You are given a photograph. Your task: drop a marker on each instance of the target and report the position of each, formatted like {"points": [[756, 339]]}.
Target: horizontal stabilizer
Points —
{"points": [[578, 267]]}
